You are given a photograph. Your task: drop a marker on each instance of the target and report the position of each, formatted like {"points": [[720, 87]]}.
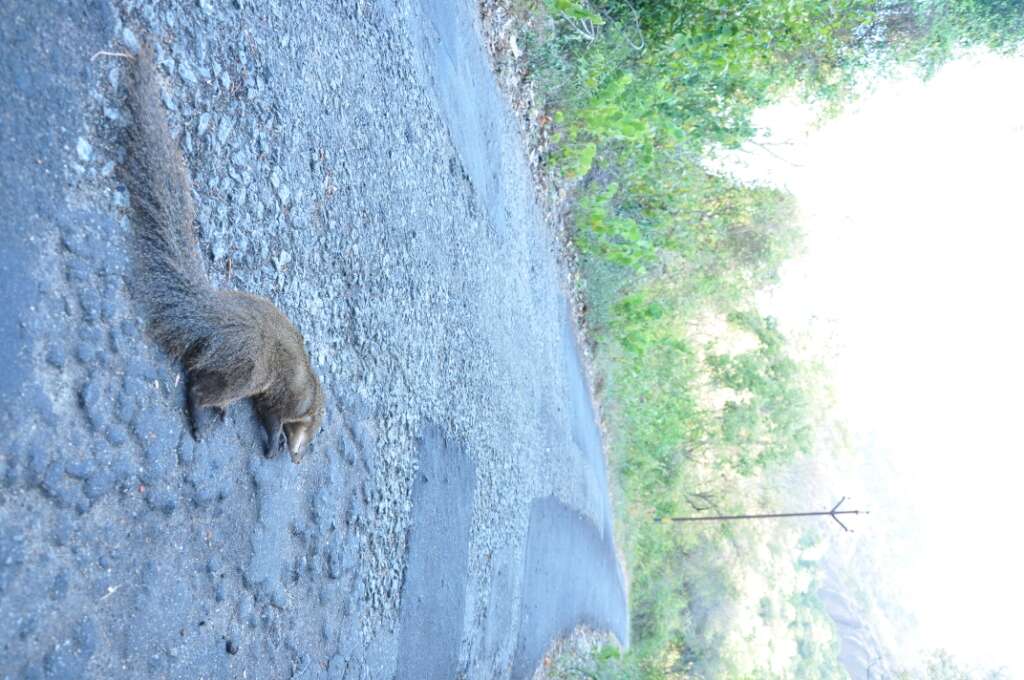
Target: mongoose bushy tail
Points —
{"points": [[233, 345]]}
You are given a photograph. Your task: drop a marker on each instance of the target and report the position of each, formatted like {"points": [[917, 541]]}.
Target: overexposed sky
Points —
{"points": [[913, 202]]}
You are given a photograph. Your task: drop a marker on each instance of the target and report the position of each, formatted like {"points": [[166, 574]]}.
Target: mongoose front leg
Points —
{"points": [[275, 435]]}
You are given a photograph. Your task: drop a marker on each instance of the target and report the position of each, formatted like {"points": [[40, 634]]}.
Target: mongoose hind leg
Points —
{"points": [[206, 404], [201, 419]]}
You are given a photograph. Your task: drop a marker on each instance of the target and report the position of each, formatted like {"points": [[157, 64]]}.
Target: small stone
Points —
{"points": [[335, 561], [348, 451], [116, 435], [204, 124], [127, 405], [220, 250], [161, 500], [125, 473], [90, 302], [245, 609], [85, 638], [111, 113], [282, 260], [90, 399], [279, 598], [56, 357], [224, 129], [336, 667], [59, 588], [98, 484], [158, 460], [62, 532], [231, 646], [130, 41], [56, 487], [84, 149], [354, 512], [85, 352], [11, 472], [186, 73], [82, 505], [186, 451], [38, 461], [79, 469], [169, 102], [40, 402], [108, 309]]}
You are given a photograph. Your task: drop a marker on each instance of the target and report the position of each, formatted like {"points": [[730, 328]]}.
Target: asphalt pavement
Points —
{"points": [[355, 163]]}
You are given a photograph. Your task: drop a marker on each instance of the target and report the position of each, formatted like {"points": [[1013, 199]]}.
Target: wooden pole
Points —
{"points": [[833, 513]]}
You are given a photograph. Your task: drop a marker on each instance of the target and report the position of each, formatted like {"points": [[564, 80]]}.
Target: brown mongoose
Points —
{"points": [[233, 345]]}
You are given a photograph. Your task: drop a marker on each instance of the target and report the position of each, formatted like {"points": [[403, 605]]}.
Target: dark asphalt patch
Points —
{"points": [[468, 96], [584, 421], [42, 88], [571, 571], [434, 592], [570, 577]]}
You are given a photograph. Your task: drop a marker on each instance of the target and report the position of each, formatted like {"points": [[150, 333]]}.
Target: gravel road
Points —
{"points": [[352, 161]]}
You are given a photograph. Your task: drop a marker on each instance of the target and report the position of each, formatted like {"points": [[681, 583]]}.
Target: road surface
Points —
{"points": [[354, 162]]}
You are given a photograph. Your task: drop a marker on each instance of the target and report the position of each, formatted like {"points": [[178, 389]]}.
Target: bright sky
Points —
{"points": [[913, 201]]}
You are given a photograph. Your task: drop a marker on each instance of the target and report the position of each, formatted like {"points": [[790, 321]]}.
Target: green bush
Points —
{"points": [[643, 93]]}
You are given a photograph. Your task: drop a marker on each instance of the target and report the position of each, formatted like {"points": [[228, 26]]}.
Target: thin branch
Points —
{"points": [[775, 155], [636, 22], [119, 55], [588, 34]]}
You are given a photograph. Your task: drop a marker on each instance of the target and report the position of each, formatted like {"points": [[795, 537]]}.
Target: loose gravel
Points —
{"points": [[328, 179]]}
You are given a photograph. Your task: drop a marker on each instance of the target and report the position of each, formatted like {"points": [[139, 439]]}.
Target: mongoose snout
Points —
{"points": [[233, 345]]}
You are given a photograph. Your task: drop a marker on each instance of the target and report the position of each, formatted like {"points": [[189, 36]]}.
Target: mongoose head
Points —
{"points": [[301, 431]]}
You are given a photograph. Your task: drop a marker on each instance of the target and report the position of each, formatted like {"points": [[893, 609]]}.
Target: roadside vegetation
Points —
{"points": [[705, 399]]}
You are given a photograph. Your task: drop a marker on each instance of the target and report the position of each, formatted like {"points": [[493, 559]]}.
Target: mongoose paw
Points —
{"points": [[274, 434], [196, 428], [274, 445], [204, 420]]}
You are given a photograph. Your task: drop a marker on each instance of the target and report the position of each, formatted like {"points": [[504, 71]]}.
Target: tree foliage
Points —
{"points": [[642, 94], [768, 419], [942, 665]]}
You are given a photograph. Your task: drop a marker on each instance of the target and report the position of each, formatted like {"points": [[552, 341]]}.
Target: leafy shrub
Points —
{"points": [[643, 93]]}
